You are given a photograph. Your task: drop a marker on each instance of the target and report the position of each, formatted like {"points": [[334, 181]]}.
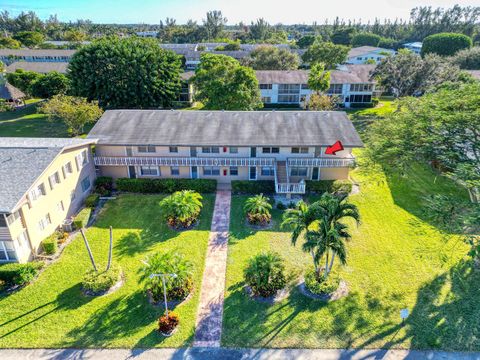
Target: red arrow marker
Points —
{"points": [[332, 150]]}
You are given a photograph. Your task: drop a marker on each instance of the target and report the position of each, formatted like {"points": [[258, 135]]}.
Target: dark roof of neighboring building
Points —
{"points": [[36, 52], [357, 51], [474, 73], [219, 128], [10, 92], [23, 160], [39, 67]]}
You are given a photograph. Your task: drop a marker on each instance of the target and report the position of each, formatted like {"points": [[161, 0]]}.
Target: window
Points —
{"points": [[233, 150], [299, 150], [270, 150], [233, 170], [54, 179], [266, 99], [335, 89], [173, 149], [3, 222], [38, 192], [360, 87], [22, 239], [86, 184], [359, 58], [304, 86], [288, 88], [12, 218], [174, 170], [288, 99], [82, 159], [298, 171], [149, 171], [265, 86], [146, 149], [267, 171], [360, 98], [7, 251], [211, 171], [67, 169], [44, 222], [60, 207], [210, 150]]}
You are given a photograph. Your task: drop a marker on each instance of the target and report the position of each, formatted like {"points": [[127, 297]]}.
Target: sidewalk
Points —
{"points": [[227, 354]]}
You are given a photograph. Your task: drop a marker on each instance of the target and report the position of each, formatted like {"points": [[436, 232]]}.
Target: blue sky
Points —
{"points": [[287, 12]]}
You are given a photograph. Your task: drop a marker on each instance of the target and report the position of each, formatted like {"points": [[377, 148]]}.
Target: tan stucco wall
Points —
{"points": [[33, 211], [114, 172], [334, 173]]}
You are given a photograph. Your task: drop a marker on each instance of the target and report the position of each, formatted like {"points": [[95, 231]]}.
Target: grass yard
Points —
{"points": [[386, 106], [27, 122], [52, 312], [396, 260]]}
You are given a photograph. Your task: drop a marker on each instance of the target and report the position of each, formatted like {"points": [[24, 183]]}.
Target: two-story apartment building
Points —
{"points": [[283, 146], [8, 56], [42, 182], [361, 54]]}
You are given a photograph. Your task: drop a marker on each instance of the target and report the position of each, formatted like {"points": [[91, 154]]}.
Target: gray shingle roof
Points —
{"points": [[36, 52], [220, 128], [10, 92], [39, 67], [23, 160], [361, 50]]}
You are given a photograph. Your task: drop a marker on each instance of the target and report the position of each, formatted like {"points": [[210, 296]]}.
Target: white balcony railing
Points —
{"points": [[181, 161], [290, 188], [322, 162]]}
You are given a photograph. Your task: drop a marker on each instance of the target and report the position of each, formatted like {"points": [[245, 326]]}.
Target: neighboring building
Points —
{"points": [[416, 47], [185, 98], [8, 56], [147, 34], [11, 94], [42, 182], [362, 54], [283, 146], [64, 42], [39, 67]]}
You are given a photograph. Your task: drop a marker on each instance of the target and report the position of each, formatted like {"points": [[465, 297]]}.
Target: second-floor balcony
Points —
{"points": [[328, 162], [181, 161]]}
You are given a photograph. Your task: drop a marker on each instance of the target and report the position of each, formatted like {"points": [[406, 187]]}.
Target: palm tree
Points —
{"points": [[258, 204], [182, 206]]}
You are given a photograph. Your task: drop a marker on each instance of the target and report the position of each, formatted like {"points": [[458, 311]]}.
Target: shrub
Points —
{"points": [[375, 101], [259, 219], [468, 58], [167, 324], [265, 274], [366, 39], [182, 208], [50, 244], [92, 200], [317, 284], [253, 187], [100, 281], [103, 185], [81, 220], [258, 204], [361, 105], [165, 186], [331, 186], [168, 263], [281, 206], [19, 274], [445, 44]]}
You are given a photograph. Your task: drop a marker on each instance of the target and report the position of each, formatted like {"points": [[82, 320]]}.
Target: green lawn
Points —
{"points": [[52, 312], [27, 122], [385, 106], [396, 260]]}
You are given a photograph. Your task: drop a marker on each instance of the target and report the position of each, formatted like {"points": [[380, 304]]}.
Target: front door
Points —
{"points": [[194, 172], [315, 173], [253, 152], [131, 172], [253, 173], [193, 152]]}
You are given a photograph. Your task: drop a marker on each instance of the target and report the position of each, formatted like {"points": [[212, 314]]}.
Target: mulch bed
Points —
{"points": [[114, 288], [171, 303], [260, 227], [341, 292], [181, 229]]}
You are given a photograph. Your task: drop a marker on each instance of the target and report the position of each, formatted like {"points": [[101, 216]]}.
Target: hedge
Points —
{"points": [[19, 274], [445, 44], [103, 185], [165, 186], [50, 244], [92, 200], [330, 186], [253, 186], [81, 220]]}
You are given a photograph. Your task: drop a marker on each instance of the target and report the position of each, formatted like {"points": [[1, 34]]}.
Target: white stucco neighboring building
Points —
{"points": [[360, 55]]}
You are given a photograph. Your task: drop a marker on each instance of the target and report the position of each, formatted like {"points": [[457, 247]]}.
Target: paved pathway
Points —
{"points": [[210, 310], [231, 354]]}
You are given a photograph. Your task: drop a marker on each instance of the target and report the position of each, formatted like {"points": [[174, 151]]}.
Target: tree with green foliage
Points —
{"points": [[445, 44], [442, 128], [319, 78], [182, 208], [213, 25], [408, 74], [75, 35], [343, 36], [50, 84], [322, 102], [23, 79], [468, 59], [9, 43], [265, 274], [29, 38], [75, 112], [221, 83], [272, 58], [230, 46], [327, 53], [365, 39], [126, 73], [308, 40], [259, 30]]}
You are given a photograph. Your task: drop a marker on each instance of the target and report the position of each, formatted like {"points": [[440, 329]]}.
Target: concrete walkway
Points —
{"points": [[227, 354], [210, 310]]}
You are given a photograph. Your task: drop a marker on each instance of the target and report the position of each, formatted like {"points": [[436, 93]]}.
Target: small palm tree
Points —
{"points": [[182, 207], [258, 209]]}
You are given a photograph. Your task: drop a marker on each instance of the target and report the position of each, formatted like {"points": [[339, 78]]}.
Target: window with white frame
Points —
{"points": [[265, 86], [22, 240], [173, 149], [288, 99], [266, 99], [360, 87], [81, 159], [54, 179], [7, 251], [210, 150], [67, 169], [146, 149], [149, 170], [233, 150], [38, 192], [174, 170], [267, 171], [270, 150], [44, 222], [233, 170], [86, 184], [299, 150], [298, 171], [335, 89], [60, 207], [13, 217], [211, 171]]}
